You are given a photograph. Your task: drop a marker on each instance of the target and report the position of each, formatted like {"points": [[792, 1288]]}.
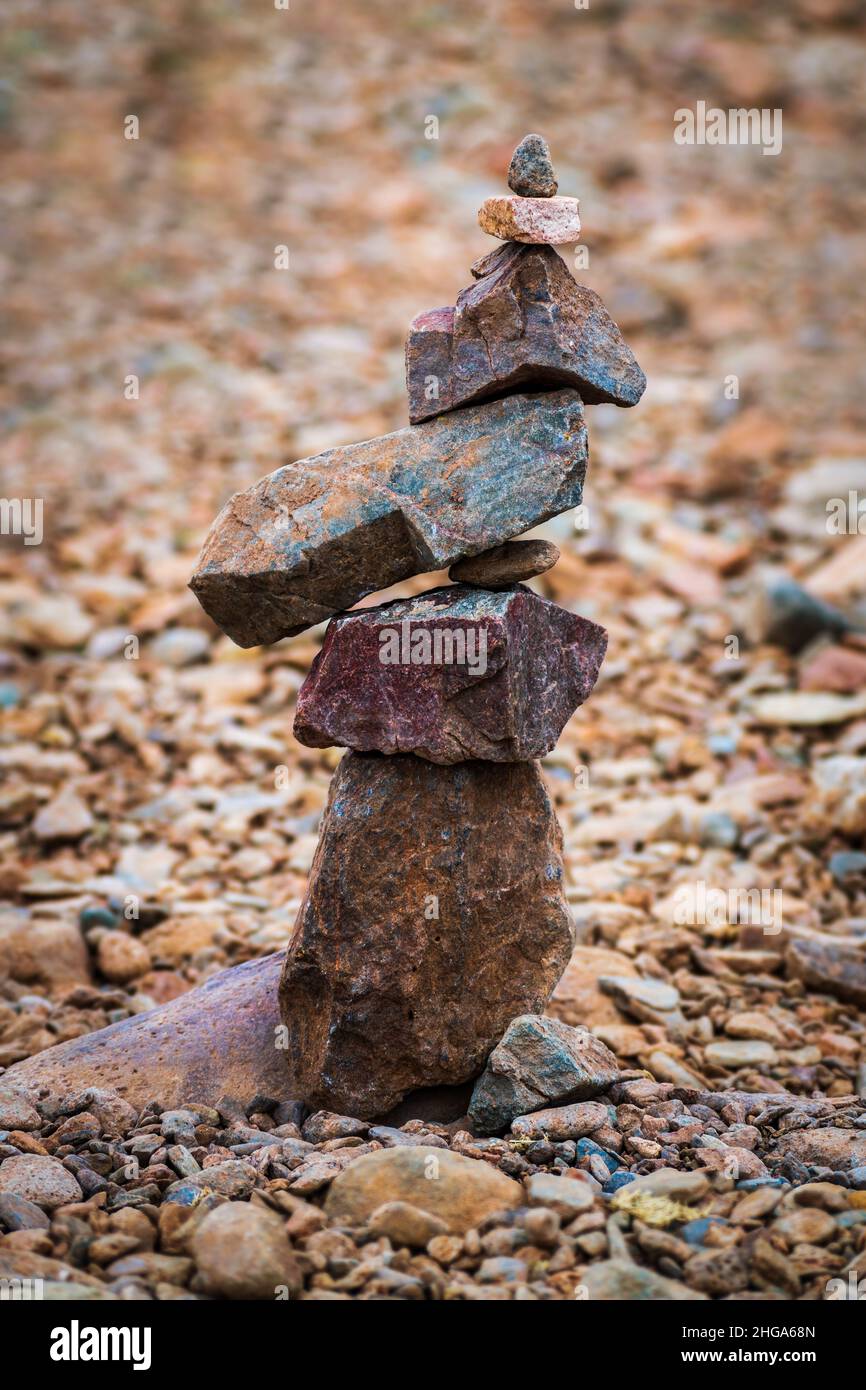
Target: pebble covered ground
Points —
{"points": [[158, 820]]}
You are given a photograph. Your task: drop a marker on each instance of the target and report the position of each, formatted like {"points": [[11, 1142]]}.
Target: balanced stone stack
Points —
{"points": [[435, 913]]}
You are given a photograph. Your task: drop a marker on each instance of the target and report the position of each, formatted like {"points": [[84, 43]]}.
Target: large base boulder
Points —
{"points": [[220, 1039], [435, 914]]}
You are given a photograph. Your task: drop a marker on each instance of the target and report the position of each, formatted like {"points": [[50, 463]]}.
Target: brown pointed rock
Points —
{"points": [[435, 913], [526, 325], [316, 536], [219, 1039], [531, 173], [453, 674]]}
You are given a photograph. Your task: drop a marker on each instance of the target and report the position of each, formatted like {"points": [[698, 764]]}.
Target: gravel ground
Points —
{"points": [[158, 820]]}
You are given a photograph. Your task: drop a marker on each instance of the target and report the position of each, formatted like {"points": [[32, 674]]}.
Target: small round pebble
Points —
{"points": [[122, 957], [506, 564]]}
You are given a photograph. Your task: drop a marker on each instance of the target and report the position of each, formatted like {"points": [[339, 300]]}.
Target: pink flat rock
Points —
{"points": [[550, 221]]}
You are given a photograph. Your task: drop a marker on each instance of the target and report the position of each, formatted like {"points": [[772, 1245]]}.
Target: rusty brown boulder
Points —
{"points": [[435, 913], [219, 1039]]}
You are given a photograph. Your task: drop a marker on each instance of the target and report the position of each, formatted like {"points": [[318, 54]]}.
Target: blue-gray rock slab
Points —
{"points": [[525, 324], [539, 1062], [316, 536]]}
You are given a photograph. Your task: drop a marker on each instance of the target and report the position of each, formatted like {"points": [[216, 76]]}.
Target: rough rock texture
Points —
{"points": [[39, 1179], [314, 537], [460, 1191], [830, 1147], [524, 325], [506, 564], [622, 1281], [214, 1040], [434, 914], [452, 674], [17, 1111], [539, 1062], [531, 173], [828, 968], [242, 1251], [562, 1122], [550, 220]]}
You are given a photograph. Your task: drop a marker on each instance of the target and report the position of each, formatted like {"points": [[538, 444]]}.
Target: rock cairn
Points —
{"points": [[435, 914]]}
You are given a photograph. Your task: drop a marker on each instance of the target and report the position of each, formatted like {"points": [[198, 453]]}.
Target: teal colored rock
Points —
{"points": [[538, 1062], [314, 537]]}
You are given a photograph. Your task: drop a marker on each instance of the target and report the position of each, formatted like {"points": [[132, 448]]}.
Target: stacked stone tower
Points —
{"points": [[435, 912]]}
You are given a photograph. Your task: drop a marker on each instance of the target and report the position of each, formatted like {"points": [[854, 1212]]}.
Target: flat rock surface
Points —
{"points": [[454, 674], [827, 1147], [39, 1179], [435, 913], [210, 1040], [525, 324], [316, 536], [539, 1061], [506, 564], [459, 1191], [550, 220]]}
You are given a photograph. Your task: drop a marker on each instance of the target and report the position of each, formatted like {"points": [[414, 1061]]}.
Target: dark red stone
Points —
{"points": [[526, 665], [527, 324]]}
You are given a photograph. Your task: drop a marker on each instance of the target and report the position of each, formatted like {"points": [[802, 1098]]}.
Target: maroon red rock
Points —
{"points": [[455, 673], [435, 913]]}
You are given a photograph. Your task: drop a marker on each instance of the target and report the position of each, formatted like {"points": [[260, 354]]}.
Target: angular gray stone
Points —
{"points": [[453, 674], [539, 1062], [622, 1281], [314, 537], [524, 325]]}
